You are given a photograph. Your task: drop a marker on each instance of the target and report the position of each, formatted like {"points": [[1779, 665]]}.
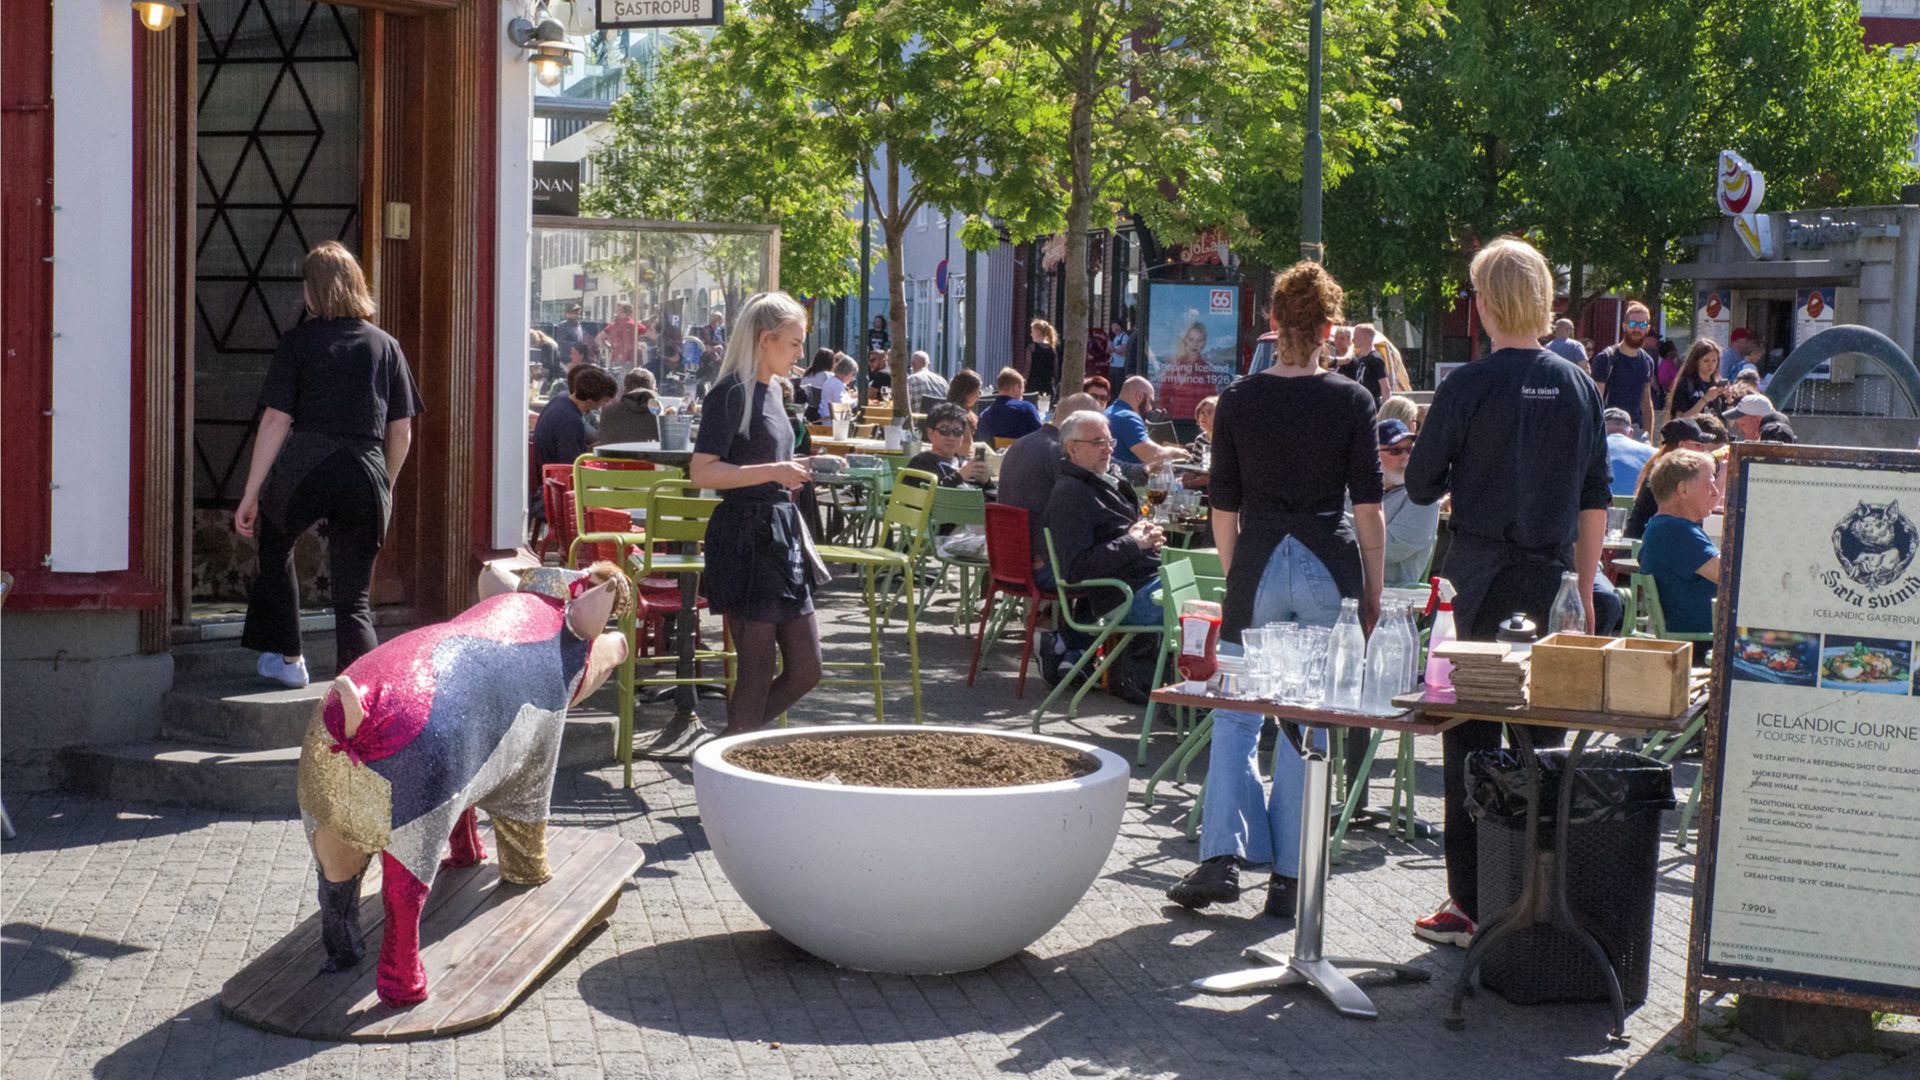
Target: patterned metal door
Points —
{"points": [[278, 171]]}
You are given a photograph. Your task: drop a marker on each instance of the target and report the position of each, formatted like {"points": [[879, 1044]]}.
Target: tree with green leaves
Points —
{"points": [[909, 103], [1169, 103]]}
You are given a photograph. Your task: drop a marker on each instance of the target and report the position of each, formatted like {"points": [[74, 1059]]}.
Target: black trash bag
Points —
{"points": [[1610, 785], [1613, 862]]}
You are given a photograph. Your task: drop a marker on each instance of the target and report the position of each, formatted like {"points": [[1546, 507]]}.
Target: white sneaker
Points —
{"points": [[293, 676]]}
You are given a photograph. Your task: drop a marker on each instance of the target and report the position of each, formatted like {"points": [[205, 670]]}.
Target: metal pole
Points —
{"points": [[1310, 246], [866, 266]]}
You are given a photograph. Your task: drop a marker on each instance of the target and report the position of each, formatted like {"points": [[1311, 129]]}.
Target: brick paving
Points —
{"points": [[121, 922]]}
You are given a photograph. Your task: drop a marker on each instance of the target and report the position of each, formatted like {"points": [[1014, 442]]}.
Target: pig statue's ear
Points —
{"points": [[352, 709], [598, 595], [503, 575]]}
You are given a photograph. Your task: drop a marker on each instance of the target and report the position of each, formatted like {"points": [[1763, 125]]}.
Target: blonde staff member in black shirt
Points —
{"points": [[336, 423], [1516, 439]]}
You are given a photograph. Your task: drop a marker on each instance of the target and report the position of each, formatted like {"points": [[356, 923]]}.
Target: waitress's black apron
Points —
{"points": [[761, 565], [1327, 536]]}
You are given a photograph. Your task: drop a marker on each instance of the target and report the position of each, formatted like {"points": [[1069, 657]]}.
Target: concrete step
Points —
{"points": [[248, 781], [224, 659], [247, 713]]}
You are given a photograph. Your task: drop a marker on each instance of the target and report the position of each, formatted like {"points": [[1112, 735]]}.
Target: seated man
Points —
{"points": [[1028, 471], [1675, 552], [1411, 528], [562, 432], [947, 453], [1136, 451], [1097, 529], [1626, 454], [635, 417], [1012, 416]]}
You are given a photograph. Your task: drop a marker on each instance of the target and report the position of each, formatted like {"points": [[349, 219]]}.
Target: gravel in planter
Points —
{"points": [[928, 759]]}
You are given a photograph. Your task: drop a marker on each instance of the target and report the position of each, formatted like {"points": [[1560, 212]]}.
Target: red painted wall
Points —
{"points": [[26, 303]]}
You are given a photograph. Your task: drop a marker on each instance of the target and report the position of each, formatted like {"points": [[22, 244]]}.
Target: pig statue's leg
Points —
{"points": [[401, 980], [341, 868], [523, 849], [464, 842]]}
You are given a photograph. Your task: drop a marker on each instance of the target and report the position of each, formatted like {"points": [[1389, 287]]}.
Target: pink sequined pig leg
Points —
{"points": [[464, 843], [401, 980]]}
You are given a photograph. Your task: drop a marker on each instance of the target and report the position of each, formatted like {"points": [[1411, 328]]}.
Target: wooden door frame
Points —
{"points": [[429, 124]]}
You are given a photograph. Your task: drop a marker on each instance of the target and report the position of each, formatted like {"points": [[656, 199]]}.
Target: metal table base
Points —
{"points": [[1306, 964]]}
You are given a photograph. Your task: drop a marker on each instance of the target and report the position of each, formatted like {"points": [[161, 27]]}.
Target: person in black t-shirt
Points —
{"points": [[336, 422], [1043, 358], [1364, 365], [1625, 371], [946, 457], [1516, 439]]}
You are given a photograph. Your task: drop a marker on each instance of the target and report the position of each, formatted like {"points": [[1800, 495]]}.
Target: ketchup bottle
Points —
{"points": [[1199, 643]]}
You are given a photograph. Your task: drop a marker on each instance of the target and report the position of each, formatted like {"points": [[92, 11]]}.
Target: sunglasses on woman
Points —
{"points": [[950, 431]]}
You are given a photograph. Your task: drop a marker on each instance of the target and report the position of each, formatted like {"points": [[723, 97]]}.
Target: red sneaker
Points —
{"points": [[1448, 926]]}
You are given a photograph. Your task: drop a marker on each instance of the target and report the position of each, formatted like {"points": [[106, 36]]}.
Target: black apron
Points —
{"points": [[1474, 562], [1327, 536], [303, 452], [761, 562]]}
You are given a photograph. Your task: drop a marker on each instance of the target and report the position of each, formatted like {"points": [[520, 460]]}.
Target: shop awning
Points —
{"points": [[1796, 271]]}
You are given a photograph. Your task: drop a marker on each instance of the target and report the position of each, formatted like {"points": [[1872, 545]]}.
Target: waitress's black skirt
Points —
{"points": [[757, 564]]}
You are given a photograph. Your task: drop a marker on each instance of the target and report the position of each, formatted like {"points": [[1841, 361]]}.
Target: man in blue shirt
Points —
{"points": [[1626, 454], [1624, 370], [1675, 551], [1563, 344], [1134, 450], [1012, 416]]}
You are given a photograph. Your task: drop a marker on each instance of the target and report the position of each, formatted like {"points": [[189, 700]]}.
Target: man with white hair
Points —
{"points": [[1562, 343], [923, 381]]}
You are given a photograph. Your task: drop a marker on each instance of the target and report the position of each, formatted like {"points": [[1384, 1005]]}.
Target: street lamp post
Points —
{"points": [[1310, 246]]}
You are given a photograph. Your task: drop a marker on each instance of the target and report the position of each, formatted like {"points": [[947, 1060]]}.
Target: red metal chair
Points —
{"points": [[659, 596], [1009, 571], [556, 487]]}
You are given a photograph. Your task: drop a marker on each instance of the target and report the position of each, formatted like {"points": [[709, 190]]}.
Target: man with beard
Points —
{"points": [[1411, 527], [1624, 371]]}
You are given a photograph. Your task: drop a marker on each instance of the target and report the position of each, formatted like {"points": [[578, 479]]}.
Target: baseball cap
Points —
{"points": [[1685, 429], [1392, 432], [1751, 405], [1616, 415], [1740, 333]]}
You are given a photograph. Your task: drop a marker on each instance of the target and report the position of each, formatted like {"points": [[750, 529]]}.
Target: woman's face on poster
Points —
{"points": [[1194, 341]]}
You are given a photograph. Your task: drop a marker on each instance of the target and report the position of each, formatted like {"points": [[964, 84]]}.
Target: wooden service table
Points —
{"points": [[1307, 963], [1543, 895]]}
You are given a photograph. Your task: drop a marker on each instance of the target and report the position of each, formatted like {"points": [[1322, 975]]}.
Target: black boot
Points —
{"points": [[340, 922], [1283, 893], [1217, 880]]}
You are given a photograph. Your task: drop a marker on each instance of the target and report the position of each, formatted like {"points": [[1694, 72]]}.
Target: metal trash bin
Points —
{"points": [[1613, 856]]}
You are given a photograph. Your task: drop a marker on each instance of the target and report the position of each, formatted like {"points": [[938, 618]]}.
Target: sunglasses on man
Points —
{"points": [[1638, 324]]}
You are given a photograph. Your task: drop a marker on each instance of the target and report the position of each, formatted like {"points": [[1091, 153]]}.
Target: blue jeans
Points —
{"points": [[1240, 817]]}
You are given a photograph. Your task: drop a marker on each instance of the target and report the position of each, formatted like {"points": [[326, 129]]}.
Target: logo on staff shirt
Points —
{"points": [[1540, 393]]}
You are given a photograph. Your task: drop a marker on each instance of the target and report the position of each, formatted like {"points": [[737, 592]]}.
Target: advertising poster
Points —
{"points": [[1814, 874], [1812, 313], [1192, 343], [1713, 317]]}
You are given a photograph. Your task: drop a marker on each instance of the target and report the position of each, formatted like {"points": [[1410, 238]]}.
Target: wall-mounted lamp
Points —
{"points": [[545, 40], [157, 15]]}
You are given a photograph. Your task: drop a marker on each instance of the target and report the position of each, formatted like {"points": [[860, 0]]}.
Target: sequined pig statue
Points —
{"points": [[419, 732]]}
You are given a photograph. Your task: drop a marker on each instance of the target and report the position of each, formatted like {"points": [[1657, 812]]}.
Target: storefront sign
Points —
{"points": [[1812, 313], [1814, 234], [640, 14], [1738, 189], [556, 188], [1713, 316], [1808, 884], [1192, 342]]}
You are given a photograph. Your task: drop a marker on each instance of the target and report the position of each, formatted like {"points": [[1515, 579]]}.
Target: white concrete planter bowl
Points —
{"points": [[908, 880]]}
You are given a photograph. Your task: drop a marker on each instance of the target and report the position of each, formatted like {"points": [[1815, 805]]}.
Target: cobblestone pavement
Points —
{"points": [[121, 923]]}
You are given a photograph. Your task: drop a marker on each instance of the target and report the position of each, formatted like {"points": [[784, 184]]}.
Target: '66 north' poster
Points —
{"points": [[1810, 864]]}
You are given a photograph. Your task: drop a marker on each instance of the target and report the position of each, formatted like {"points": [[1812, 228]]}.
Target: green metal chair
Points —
{"points": [[614, 484], [1180, 581], [960, 507], [1667, 747], [886, 568], [1109, 631], [1205, 561]]}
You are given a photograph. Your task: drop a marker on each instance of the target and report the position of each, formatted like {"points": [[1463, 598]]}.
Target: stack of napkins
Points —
{"points": [[1487, 672]]}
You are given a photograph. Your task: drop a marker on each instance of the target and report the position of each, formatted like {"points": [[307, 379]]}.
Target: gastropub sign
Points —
{"points": [[651, 14]]}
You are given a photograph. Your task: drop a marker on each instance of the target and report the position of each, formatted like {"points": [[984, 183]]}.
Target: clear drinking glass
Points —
{"points": [[1294, 645], [1319, 638], [1616, 522]]}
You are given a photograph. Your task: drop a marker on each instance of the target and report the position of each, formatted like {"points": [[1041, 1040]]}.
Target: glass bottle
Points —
{"points": [[1346, 659], [1386, 663], [1569, 613]]}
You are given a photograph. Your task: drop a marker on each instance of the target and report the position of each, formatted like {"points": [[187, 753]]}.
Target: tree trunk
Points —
{"points": [[1072, 363], [1576, 291], [894, 224]]}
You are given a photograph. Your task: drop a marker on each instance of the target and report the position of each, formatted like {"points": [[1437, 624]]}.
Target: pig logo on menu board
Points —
{"points": [[1875, 544]]}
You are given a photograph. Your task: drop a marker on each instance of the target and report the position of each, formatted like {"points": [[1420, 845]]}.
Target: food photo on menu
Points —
{"points": [[1784, 657], [1873, 665]]}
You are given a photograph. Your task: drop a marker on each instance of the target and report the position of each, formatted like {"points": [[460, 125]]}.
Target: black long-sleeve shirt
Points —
{"points": [[1517, 439]]}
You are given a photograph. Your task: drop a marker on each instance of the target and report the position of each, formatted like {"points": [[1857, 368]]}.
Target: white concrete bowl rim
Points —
{"points": [[711, 755]]}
